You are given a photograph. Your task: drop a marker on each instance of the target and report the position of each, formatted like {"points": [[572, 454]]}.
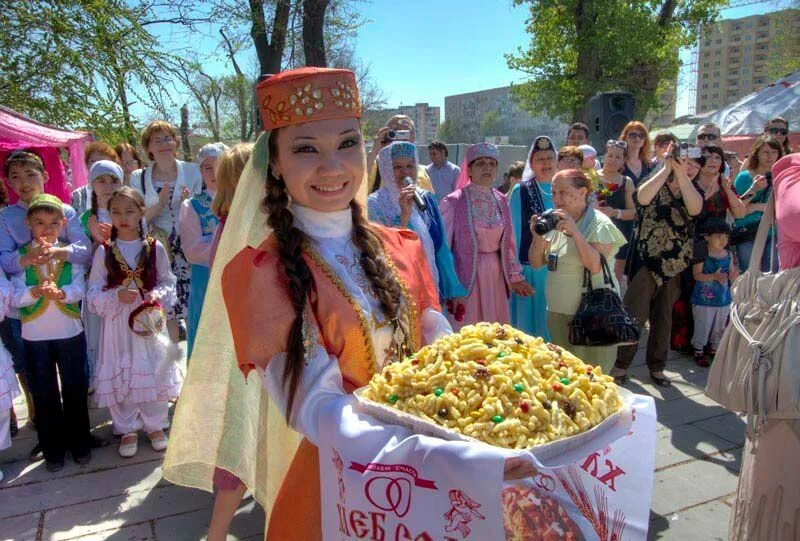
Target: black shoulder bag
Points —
{"points": [[601, 319]]}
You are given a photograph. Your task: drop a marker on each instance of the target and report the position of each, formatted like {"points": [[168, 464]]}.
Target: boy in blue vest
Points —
{"points": [[48, 297]]}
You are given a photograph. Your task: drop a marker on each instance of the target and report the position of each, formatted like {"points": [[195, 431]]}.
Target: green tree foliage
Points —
{"points": [[785, 55], [81, 64], [492, 124], [581, 47]]}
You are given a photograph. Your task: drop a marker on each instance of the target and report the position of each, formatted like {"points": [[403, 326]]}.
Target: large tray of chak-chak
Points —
{"points": [[494, 384]]}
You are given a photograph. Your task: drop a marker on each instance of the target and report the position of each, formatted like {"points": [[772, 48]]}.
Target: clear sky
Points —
{"points": [[422, 51]]}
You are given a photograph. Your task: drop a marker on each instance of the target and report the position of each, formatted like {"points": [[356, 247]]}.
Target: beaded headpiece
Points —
{"points": [[481, 150], [542, 143], [403, 149], [307, 94]]}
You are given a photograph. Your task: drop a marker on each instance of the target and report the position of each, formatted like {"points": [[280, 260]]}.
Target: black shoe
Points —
{"points": [[36, 453], [54, 466], [96, 442], [13, 427], [661, 382], [82, 459], [181, 331]]}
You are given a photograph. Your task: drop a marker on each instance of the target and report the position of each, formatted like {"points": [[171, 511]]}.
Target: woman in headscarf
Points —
{"points": [[393, 205], [531, 197], [481, 236]]}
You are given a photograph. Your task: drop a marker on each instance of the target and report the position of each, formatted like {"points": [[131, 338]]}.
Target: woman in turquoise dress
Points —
{"points": [[197, 224], [532, 196]]}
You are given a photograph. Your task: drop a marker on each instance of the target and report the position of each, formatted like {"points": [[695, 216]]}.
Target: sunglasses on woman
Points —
{"points": [[614, 143], [777, 131], [636, 135], [708, 137]]}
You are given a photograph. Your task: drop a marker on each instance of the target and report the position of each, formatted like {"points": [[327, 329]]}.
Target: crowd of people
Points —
{"points": [[96, 294]]}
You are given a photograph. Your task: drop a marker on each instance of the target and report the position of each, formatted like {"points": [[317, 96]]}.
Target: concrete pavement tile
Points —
{"points": [[109, 513], [105, 458], [692, 484], [731, 427], [21, 528], [138, 532], [686, 443], [63, 492], [680, 412], [248, 522], [694, 524]]}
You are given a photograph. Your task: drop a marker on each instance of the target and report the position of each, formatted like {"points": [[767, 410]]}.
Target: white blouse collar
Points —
{"points": [[323, 224]]}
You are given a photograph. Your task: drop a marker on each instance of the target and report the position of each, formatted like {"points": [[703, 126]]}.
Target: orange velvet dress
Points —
{"points": [[261, 314]]}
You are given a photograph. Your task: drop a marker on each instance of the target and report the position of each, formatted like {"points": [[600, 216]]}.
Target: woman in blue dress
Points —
{"points": [[532, 196], [393, 205], [196, 224]]}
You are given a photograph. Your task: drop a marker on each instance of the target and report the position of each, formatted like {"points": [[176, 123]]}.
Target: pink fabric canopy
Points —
{"points": [[18, 131]]}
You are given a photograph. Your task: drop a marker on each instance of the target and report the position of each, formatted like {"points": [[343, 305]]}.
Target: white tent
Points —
{"points": [[748, 115]]}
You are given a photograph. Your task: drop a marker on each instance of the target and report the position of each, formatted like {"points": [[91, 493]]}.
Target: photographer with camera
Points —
{"points": [[568, 239], [397, 128], [755, 185], [661, 248]]}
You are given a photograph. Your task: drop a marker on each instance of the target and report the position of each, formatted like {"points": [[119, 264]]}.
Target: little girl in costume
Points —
{"points": [[105, 177], [129, 283], [196, 226], [8, 380]]}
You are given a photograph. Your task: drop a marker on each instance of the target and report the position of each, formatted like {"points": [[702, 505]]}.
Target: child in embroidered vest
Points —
{"points": [[196, 226], [105, 177], [26, 175], [711, 297], [8, 379], [130, 280], [48, 296]]}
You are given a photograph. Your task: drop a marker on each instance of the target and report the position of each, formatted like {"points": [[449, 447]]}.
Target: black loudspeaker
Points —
{"points": [[608, 114]]}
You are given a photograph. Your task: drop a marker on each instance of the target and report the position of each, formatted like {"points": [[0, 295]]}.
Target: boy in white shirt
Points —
{"points": [[48, 297]]}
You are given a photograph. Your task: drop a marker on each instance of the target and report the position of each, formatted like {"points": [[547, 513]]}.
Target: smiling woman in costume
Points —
{"points": [[338, 288]]}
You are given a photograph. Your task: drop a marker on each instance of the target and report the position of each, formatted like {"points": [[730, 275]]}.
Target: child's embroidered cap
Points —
{"points": [[46, 200]]}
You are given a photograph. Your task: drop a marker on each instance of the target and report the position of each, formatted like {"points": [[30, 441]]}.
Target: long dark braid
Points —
{"points": [[290, 241], [384, 283], [298, 276], [94, 203]]}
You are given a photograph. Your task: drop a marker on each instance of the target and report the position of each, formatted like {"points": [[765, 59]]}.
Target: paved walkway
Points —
{"points": [[697, 459]]}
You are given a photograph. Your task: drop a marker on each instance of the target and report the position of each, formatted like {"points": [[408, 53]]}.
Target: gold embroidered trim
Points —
{"points": [[334, 278], [134, 275], [411, 312]]}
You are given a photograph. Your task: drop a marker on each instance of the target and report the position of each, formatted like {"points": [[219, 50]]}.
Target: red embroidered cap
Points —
{"points": [[307, 94]]}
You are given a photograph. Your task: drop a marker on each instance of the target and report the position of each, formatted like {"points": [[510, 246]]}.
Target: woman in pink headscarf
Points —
{"points": [[481, 237], [768, 497]]}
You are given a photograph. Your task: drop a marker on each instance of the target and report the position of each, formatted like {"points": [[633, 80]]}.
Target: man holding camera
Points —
{"points": [[442, 172], [397, 128]]}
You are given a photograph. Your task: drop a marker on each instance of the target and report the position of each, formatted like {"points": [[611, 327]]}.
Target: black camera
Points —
{"points": [[685, 150], [546, 222]]}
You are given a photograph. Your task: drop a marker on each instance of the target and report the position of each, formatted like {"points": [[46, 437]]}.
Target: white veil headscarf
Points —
{"points": [[221, 420], [387, 199]]}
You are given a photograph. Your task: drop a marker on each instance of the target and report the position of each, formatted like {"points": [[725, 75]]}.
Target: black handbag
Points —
{"points": [[601, 319], [743, 233]]}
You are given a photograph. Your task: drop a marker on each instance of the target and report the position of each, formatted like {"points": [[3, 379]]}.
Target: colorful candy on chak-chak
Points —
{"points": [[496, 384]]}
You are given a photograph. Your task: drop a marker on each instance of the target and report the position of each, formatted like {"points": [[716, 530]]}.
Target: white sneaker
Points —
{"points": [[128, 449], [158, 440]]}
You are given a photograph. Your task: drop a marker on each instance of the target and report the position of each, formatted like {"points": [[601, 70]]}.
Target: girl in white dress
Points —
{"points": [[130, 282], [8, 380]]}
